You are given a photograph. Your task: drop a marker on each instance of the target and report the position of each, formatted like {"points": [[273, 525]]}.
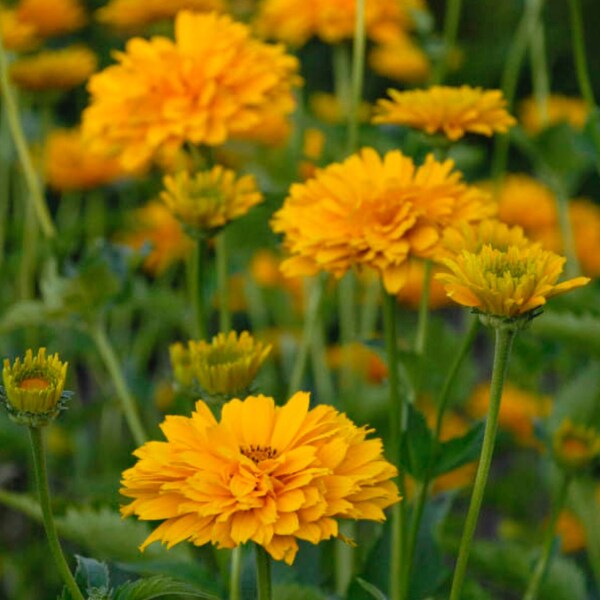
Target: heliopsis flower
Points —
{"points": [[33, 388], [208, 200], [410, 294], [131, 15], [153, 225], [54, 69], [329, 109], [363, 360], [52, 17], [401, 60], [69, 164], [585, 220], [575, 447], [449, 110], [296, 21], [226, 366], [559, 109], [571, 531], [213, 83], [16, 35], [266, 474], [506, 282], [375, 212]]}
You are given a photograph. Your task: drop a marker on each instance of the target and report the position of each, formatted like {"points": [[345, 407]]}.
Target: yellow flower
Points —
{"points": [[54, 69], [16, 35], [154, 225], [266, 474], [575, 447], [329, 109], [585, 220], [215, 82], [559, 109], [70, 165], [208, 200], [375, 212], [572, 533], [33, 388], [401, 60], [226, 366], [410, 294], [130, 15], [518, 411], [506, 282], [363, 360], [449, 110], [52, 17], [296, 21]]}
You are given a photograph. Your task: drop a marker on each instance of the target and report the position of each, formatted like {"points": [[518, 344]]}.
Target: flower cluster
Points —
{"points": [[267, 474]]}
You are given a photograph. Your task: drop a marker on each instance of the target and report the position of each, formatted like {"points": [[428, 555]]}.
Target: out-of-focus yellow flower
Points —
{"points": [[215, 82], [575, 447], [329, 109], [208, 200], [17, 35], [54, 70], [559, 109], [453, 111], [572, 533], [506, 282], [33, 388], [164, 395], [154, 225], [132, 15], [290, 473], [401, 60], [362, 359], [518, 411], [410, 294], [265, 269], [69, 164], [313, 143], [52, 17], [375, 212], [226, 366], [585, 220]]}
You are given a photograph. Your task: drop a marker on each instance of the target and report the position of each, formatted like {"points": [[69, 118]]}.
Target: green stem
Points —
{"points": [[235, 574], [196, 283], [5, 178], [27, 266], [223, 282], [467, 342], [322, 376], [504, 339], [16, 129], [358, 75], [368, 320], [41, 479], [95, 215], [109, 357], [344, 559], [347, 319], [396, 409], [341, 76], [542, 565], [423, 322], [566, 229], [263, 573], [450, 33], [539, 70]]}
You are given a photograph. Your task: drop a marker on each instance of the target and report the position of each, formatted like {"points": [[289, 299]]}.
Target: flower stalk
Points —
{"points": [[263, 573], [196, 284], [450, 33], [223, 282], [358, 75]]}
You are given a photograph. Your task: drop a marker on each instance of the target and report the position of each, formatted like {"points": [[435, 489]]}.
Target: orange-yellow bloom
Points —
{"points": [[375, 212], [559, 109], [16, 35], [267, 474], [448, 110], [52, 17], [214, 82], [400, 59]]}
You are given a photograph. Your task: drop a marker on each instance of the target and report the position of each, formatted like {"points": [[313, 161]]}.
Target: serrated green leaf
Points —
{"points": [[459, 451], [417, 444], [295, 591], [371, 589], [157, 587]]}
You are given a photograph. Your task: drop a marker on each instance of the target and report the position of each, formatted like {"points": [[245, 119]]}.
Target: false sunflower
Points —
{"points": [[400, 59], [52, 17], [16, 35], [266, 474], [213, 83], [575, 447], [558, 109], [375, 212], [453, 111]]}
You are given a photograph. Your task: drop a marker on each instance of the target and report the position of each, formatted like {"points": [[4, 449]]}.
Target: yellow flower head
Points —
{"points": [[16, 35], [213, 83], [410, 294], [506, 282], [226, 366], [132, 15], [208, 200], [329, 109], [559, 109], [266, 474], [69, 164], [448, 110], [572, 533], [585, 220], [154, 225], [575, 447], [401, 60], [363, 360], [54, 70], [33, 388], [373, 211], [296, 21], [52, 17]]}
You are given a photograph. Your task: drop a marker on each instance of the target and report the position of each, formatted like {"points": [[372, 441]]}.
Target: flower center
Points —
{"points": [[34, 383], [258, 453]]}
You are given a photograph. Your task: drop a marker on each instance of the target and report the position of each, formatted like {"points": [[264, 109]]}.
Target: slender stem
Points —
{"points": [[566, 229], [341, 76], [417, 515], [542, 565], [5, 178], [450, 32], [29, 247], [128, 404], [358, 75], [16, 129], [539, 71], [320, 370], [423, 322], [235, 574], [370, 309], [504, 339], [196, 283], [396, 409], [347, 321], [344, 559], [41, 479], [223, 282], [263, 573], [95, 215]]}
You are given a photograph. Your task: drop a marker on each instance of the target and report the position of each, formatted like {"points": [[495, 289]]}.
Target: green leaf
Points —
{"points": [[371, 589], [24, 314], [92, 577], [158, 587], [580, 331], [459, 451], [417, 446]]}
